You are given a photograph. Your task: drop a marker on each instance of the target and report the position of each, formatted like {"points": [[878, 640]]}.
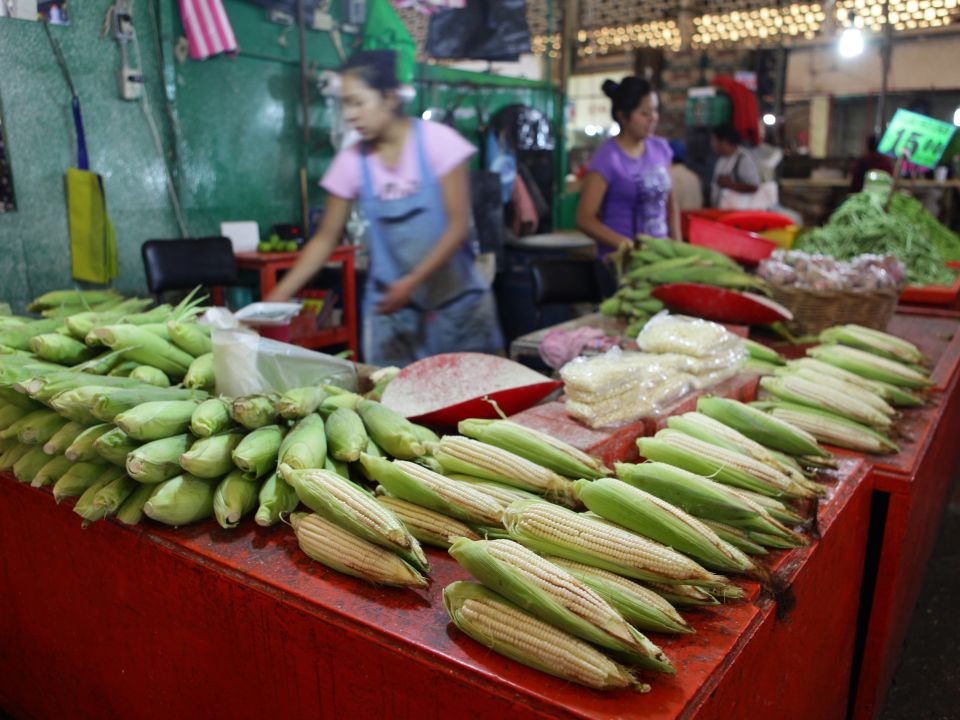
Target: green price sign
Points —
{"points": [[922, 139]]}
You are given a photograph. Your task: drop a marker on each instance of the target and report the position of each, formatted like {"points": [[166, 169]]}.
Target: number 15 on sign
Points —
{"points": [[922, 139]]}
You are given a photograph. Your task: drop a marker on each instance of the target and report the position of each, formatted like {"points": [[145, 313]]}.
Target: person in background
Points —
{"points": [[424, 295], [687, 191], [627, 191], [871, 160], [735, 169]]}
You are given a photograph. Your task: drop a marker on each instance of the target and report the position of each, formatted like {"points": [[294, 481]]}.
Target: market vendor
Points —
{"points": [[627, 190], [424, 295], [735, 172]]}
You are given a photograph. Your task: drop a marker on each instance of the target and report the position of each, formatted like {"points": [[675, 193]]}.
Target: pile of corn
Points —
{"points": [[658, 261]]}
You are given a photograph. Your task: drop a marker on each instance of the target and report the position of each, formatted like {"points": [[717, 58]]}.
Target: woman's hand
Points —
{"points": [[397, 295]]}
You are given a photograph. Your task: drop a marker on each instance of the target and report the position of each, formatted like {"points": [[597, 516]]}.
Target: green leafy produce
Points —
{"points": [[946, 241]]}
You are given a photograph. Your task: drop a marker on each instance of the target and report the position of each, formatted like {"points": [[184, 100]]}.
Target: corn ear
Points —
{"points": [[834, 429], [639, 606], [300, 402], [151, 376], [390, 430], [539, 448], [254, 411], [736, 537], [685, 595], [210, 418], [60, 349], [501, 626], [648, 515], [257, 452], [190, 337], [115, 493], [38, 432], [156, 420], [428, 526], [158, 460], [83, 448], [355, 510], [201, 373], [870, 366], [211, 457], [762, 353], [346, 435], [553, 530], [236, 495], [77, 479], [51, 472], [305, 446], [114, 446], [63, 438], [276, 497], [147, 348], [874, 341], [341, 550], [34, 418], [181, 500], [27, 467], [9, 414], [818, 395], [760, 427], [131, 511], [85, 507]]}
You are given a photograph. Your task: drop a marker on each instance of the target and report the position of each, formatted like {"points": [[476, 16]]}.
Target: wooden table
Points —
{"points": [[268, 265]]}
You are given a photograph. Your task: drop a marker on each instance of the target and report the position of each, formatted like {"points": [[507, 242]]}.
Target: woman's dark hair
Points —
{"points": [[377, 68], [626, 95], [727, 133]]}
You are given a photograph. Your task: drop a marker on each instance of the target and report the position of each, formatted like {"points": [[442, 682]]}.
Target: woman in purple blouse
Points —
{"points": [[627, 188]]}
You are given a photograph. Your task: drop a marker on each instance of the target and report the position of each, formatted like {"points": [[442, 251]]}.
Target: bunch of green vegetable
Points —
{"points": [[942, 237]]}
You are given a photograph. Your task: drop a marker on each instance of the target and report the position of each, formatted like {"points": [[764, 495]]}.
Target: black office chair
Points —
{"points": [[184, 264], [565, 282]]}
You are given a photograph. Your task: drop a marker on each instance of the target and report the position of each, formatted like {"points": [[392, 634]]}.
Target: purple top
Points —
{"points": [[637, 188]]}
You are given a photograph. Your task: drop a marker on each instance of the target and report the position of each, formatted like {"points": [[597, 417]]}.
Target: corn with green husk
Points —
{"points": [[150, 376], [210, 418], [276, 497], [335, 400], [112, 496], [131, 511], [254, 411], [79, 298], [108, 405], [77, 479], [305, 446], [648, 515], [801, 391], [871, 366], [502, 494], [765, 354], [348, 506], [191, 337], [123, 370], [33, 419], [553, 595], [157, 420], [114, 446], [832, 428], [414, 483], [86, 506], [874, 341], [341, 550], [181, 500], [553, 530], [27, 467], [778, 510], [463, 455], [428, 526], [12, 454], [390, 430], [335, 466], [498, 624], [39, 431], [760, 427], [896, 396], [51, 471], [534, 446], [44, 388], [9, 414], [346, 435], [201, 374], [736, 537], [211, 457], [300, 402], [61, 349], [83, 448], [236, 495], [159, 314], [686, 595], [81, 324], [840, 388], [145, 347], [63, 438], [725, 466], [158, 460], [638, 605], [257, 452]]}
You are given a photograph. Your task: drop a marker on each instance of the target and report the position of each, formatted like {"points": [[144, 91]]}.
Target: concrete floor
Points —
{"points": [[926, 685]]}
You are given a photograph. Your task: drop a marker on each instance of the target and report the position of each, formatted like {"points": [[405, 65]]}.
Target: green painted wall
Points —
{"points": [[233, 133]]}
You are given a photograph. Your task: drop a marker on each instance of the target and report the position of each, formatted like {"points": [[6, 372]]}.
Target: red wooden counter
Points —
{"points": [[150, 622], [911, 491]]}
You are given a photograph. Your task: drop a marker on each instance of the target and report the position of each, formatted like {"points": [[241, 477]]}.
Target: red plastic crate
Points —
{"points": [[934, 294], [744, 247], [756, 221]]}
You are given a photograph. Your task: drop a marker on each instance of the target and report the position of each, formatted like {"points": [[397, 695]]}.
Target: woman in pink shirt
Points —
{"points": [[423, 295]]}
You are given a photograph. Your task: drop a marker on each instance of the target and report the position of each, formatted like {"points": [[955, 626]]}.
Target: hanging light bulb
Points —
{"points": [[769, 119], [851, 41]]}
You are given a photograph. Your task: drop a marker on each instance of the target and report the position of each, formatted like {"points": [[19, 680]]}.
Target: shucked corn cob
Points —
{"points": [[343, 551], [896, 396], [833, 429], [537, 447], [428, 526], [552, 594], [870, 366], [554, 530], [801, 391], [500, 625], [463, 455], [874, 341]]}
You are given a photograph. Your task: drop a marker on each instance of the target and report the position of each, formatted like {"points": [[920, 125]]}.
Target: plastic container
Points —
{"points": [[933, 294], [784, 237], [744, 247], [756, 221]]}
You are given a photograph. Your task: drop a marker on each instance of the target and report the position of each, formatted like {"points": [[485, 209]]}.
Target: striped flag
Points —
{"points": [[208, 28]]}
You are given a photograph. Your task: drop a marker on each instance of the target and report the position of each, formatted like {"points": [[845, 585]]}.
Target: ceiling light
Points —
{"points": [[769, 119], [851, 42]]}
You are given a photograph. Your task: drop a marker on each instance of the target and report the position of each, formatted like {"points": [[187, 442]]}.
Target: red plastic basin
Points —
{"points": [[744, 247], [756, 221]]}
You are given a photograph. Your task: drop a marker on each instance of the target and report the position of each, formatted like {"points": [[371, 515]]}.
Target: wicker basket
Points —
{"points": [[816, 310]]}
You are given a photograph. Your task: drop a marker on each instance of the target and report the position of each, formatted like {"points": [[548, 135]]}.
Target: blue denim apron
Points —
{"points": [[452, 310]]}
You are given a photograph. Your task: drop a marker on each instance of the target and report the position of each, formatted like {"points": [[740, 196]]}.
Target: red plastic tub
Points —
{"points": [[756, 221], [744, 247], [933, 294]]}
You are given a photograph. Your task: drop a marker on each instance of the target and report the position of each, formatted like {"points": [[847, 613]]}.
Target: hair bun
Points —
{"points": [[610, 88]]}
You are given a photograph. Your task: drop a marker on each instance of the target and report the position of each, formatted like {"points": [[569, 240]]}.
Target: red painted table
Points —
{"points": [[269, 264], [911, 491], [150, 622]]}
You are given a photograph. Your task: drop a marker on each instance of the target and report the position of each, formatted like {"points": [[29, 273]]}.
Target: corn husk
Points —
{"points": [[210, 418], [211, 457], [27, 467], [114, 446], [150, 376], [131, 511], [83, 448], [75, 481], [390, 430], [276, 497], [305, 446], [63, 438], [257, 452], [158, 460], [156, 420], [200, 375], [181, 500], [254, 411]]}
